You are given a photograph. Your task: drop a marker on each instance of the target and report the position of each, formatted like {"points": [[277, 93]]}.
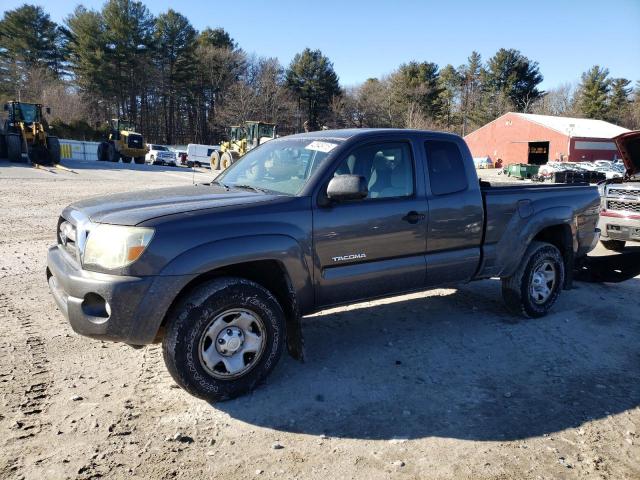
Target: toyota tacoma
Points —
{"points": [[222, 273]]}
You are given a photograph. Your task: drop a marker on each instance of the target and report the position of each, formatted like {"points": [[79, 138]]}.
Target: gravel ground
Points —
{"points": [[442, 384]]}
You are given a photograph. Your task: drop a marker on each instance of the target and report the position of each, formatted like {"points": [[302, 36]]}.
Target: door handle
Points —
{"points": [[414, 217]]}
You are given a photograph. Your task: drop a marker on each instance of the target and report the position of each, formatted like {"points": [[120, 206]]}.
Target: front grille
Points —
{"points": [[134, 141], [623, 206], [67, 237], [623, 192]]}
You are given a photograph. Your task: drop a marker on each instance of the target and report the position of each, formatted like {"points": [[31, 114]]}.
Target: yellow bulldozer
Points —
{"points": [[123, 143], [25, 137], [242, 138]]}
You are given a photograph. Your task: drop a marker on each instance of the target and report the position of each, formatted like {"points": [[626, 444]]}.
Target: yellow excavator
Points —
{"points": [[25, 137], [123, 143], [242, 138]]}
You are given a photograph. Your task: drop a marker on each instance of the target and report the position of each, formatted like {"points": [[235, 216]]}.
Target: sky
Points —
{"points": [[372, 38]]}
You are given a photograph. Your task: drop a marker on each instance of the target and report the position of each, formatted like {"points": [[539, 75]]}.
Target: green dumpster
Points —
{"points": [[522, 170]]}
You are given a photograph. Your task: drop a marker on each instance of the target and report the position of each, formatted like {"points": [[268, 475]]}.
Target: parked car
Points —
{"points": [[620, 213], [181, 157], [221, 273], [160, 155], [200, 155]]}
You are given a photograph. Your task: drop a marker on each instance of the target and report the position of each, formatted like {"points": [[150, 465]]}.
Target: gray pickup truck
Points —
{"points": [[221, 273], [620, 214]]}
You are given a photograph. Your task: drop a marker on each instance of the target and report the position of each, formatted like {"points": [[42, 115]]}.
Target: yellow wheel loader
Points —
{"points": [[25, 137], [242, 138], [123, 143]]}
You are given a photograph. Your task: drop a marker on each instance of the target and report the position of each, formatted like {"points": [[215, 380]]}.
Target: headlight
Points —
{"points": [[114, 246]]}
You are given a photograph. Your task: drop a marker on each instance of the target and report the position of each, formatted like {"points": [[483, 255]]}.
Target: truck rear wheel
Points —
{"points": [[223, 338], [226, 160], [53, 145], [613, 245], [215, 160], [138, 160], [535, 286], [14, 148], [126, 159]]}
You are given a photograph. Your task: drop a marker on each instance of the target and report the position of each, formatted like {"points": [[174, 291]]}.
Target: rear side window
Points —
{"points": [[446, 167]]}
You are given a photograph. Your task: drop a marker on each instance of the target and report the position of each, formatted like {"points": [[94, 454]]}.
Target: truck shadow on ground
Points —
{"points": [[456, 365]]}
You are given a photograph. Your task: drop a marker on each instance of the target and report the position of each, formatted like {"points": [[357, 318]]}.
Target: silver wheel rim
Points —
{"points": [[542, 282], [232, 343]]}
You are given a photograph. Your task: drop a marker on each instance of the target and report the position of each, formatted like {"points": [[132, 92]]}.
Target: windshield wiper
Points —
{"points": [[251, 187]]}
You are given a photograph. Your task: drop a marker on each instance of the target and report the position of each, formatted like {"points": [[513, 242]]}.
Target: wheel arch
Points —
{"points": [[276, 262], [553, 225], [272, 275]]}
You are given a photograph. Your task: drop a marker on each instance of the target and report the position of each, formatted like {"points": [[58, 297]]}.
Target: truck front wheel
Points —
{"points": [[535, 286], [223, 338]]}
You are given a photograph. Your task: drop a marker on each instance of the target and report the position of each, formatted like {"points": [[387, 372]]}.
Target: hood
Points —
{"points": [[629, 146], [137, 207]]}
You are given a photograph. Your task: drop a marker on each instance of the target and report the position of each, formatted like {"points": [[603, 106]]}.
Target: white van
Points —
{"points": [[199, 155]]}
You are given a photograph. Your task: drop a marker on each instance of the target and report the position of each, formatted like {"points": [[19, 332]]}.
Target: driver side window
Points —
{"points": [[386, 167]]}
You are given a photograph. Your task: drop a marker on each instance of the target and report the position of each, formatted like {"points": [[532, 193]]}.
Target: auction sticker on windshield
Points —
{"points": [[319, 146]]}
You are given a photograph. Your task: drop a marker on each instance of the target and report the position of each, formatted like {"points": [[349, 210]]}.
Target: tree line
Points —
{"points": [[180, 85]]}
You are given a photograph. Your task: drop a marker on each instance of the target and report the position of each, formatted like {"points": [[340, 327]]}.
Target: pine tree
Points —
{"points": [[29, 40], [513, 77], [593, 93], [128, 32], [451, 81], [416, 91], [619, 101], [313, 81], [175, 42]]}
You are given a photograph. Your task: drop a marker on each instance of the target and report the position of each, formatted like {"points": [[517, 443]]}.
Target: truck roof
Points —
{"points": [[363, 132]]}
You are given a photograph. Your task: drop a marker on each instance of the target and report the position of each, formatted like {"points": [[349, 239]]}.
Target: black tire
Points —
{"points": [[517, 290], [139, 160], [215, 160], [613, 245], [14, 148], [189, 320], [126, 159], [53, 145], [226, 160], [189, 164], [3, 146], [103, 152], [112, 154]]}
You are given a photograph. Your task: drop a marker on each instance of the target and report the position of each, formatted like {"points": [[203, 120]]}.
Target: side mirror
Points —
{"points": [[342, 188], [48, 110]]}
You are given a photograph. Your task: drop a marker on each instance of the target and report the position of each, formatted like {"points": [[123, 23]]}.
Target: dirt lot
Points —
{"points": [[442, 384]]}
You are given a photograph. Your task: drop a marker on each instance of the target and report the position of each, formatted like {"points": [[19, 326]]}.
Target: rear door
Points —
{"points": [[456, 213], [375, 246]]}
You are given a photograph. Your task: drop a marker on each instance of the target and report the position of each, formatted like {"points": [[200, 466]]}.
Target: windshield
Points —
{"points": [[265, 131], [27, 113], [281, 166]]}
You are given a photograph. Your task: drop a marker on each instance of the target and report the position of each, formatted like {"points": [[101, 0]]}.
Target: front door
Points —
{"points": [[375, 246]]}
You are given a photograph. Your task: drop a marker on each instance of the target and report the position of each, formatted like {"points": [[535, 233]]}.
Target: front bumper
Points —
{"points": [[619, 228], [110, 307]]}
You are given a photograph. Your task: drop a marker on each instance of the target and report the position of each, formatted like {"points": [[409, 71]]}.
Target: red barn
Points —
{"points": [[536, 139]]}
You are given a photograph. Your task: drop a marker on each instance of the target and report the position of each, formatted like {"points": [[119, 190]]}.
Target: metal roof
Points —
{"points": [[577, 127]]}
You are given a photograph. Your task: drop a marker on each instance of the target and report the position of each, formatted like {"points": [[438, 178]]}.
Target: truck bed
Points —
{"points": [[509, 207]]}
